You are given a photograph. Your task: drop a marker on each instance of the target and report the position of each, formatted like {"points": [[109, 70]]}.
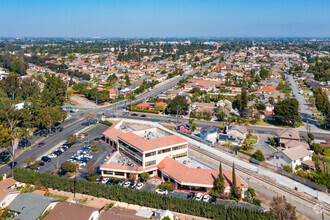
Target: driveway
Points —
{"points": [[263, 145]]}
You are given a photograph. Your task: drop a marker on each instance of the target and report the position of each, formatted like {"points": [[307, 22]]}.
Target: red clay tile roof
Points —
{"points": [[160, 104], [194, 176], [268, 88], [145, 105], [146, 145], [112, 132], [4, 184]]}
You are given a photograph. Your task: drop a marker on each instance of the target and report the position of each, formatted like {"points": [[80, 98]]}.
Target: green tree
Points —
{"points": [[54, 91], [287, 111], [244, 100], [178, 105], [112, 79], [258, 155], [260, 106], [69, 167], [219, 183], [144, 176], [19, 66], [221, 116], [128, 82], [48, 116], [11, 85], [72, 138], [263, 73], [5, 137], [271, 100], [80, 87]]}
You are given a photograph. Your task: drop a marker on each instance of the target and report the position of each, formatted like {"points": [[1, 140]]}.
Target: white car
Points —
{"points": [[81, 164], [199, 196], [161, 191], [105, 180], [89, 156], [126, 184], [206, 198], [81, 152], [139, 186], [52, 156]]}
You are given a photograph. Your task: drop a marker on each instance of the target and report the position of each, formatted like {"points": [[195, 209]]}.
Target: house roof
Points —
{"points": [[288, 133], [68, 210], [294, 143], [145, 105], [113, 132], [268, 88], [116, 213], [4, 187], [242, 129], [295, 153], [160, 104], [30, 206], [194, 176], [146, 145]]}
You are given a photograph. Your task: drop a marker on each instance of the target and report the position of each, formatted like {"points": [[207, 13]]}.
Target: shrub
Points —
{"points": [[69, 167], [169, 186], [144, 110], [72, 138], [106, 123], [245, 152], [92, 178], [310, 136], [1, 178], [94, 148], [287, 169], [258, 155], [317, 148]]}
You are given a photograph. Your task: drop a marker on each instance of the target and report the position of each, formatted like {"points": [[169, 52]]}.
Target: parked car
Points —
{"points": [[41, 144], [127, 184], [199, 196], [52, 156], [139, 186], [46, 159], [191, 195], [110, 181], [74, 110], [42, 163], [121, 182], [134, 114], [162, 191], [115, 182], [104, 180], [99, 179], [206, 198], [97, 139], [143, 116], [133, 184]]}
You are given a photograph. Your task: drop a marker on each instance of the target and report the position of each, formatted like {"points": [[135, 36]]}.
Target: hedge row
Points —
{"points": [[245, 152], [106, 123], [144, 110], [142, 198]]}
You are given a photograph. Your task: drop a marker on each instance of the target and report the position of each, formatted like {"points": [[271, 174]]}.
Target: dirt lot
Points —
{"points": [[81, 101]]}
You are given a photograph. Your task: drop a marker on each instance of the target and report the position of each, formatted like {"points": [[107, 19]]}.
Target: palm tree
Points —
{"points": [[17, 134]]}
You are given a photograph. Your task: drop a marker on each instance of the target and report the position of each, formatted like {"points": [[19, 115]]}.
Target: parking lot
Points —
{"points": [[98, 157]]}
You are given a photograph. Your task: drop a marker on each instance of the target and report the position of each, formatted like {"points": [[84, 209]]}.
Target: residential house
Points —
{"points": [[7, 191], [30, 206], [161, 214], [288, 134], [113, 94], [292, 156], [186, 128], [238, 131], [209, 134], [117, 213], [72, 211], [151, 106]]}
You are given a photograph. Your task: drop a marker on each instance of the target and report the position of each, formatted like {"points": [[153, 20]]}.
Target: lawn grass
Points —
{"points": [[252, 141], [61, 198], [315, 111], [262, 122]]}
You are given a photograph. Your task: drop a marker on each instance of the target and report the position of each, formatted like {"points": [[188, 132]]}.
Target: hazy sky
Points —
{"points": [[165, 18]]}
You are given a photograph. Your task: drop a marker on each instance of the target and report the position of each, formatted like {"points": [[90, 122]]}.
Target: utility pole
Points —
{"points": [[13, 162]]}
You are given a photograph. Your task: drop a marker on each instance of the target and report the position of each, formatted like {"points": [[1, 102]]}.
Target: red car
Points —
{"points": [[99, 179]]}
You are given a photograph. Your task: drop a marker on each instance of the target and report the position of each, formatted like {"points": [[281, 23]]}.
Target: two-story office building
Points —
{"points": [[140, 151]]}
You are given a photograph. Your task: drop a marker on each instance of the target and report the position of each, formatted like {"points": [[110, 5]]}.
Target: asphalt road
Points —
{"points": [[305, 110], [50, 141], [169, 119]]}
